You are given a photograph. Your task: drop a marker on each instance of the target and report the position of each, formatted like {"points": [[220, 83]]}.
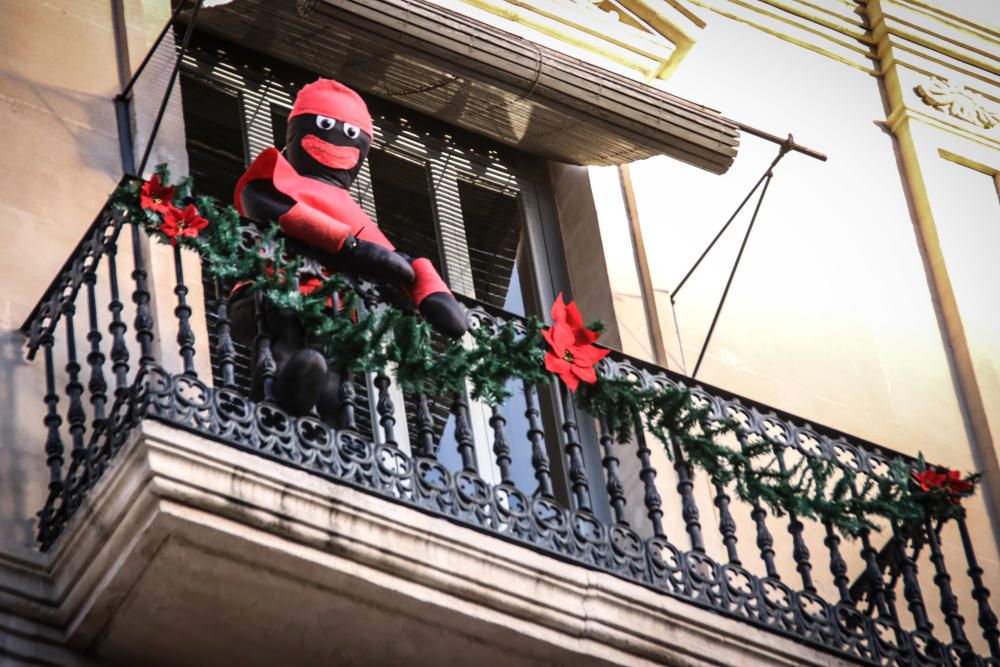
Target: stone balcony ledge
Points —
{"points": [[189, 551]]}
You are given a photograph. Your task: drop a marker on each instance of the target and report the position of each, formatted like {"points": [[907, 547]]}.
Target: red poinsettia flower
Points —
{"points": [[573, 354], [929, 479], [955, 484], [155, 196], [309, 285], [182, 223], [947, 480]]}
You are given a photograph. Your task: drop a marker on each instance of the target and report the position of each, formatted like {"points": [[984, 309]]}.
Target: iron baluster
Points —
{"points": [[97, 385], [574, 453], [463, 433], [800, 551], [949, 603], [838, 566], [75, 416], [911, 585], [840, 629], [536, 436], [764, 539], [185, 334], [140, 296], [500, 447], [616, 490], [727, 524], [425, 445], [53, 441], [647, 473], [348, 394], [873, 574], [981, 594], [117, 328], [890, 595], [224, 348], [265, 366], [685, 486], [386, 409]]}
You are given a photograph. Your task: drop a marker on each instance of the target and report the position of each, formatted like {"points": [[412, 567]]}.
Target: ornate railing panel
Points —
{"points": [[869, 600]]}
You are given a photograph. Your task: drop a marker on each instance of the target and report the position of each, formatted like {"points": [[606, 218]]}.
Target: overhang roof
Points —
{"points": [[447, 65]]}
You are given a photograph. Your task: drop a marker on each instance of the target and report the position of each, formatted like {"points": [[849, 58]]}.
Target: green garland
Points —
{"points": [[357, 339], [810, 487]]}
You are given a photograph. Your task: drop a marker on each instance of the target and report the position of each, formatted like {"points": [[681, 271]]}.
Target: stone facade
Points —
{"points": [[867, 301]]}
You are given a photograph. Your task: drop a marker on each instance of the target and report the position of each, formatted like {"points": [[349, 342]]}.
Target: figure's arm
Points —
{"points": [[435, 301], [262, 201]]}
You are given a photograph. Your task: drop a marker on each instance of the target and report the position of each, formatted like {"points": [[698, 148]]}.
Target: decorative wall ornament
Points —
{"points": [[958, 101]]}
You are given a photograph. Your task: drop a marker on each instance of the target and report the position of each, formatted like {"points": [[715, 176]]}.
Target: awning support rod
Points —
{"points": [[786, 146], [774, 139], [152, 49], [170, 88]]}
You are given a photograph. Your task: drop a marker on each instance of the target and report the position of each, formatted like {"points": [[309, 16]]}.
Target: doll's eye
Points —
{"points": [[325, 122], [351, 131]]}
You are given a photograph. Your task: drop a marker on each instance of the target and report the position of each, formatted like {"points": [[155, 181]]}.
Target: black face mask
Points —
{"points": [[320, 147]]}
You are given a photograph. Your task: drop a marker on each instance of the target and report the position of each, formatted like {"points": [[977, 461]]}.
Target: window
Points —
{"points": [[472, 207]]}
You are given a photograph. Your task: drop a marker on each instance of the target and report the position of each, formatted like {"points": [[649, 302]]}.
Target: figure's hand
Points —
{"points": [[374, 261], [445, 314]]}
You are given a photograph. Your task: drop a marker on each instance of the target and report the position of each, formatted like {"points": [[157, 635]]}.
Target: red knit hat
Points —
{"points": [[327, 97]]}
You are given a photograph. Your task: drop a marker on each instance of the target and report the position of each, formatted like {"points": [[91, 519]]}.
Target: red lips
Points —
{"points": [[330, 155]]}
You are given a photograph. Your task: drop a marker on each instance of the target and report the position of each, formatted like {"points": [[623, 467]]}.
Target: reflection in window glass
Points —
{"points": [[403, 204], [492, 231], [214, 137]]}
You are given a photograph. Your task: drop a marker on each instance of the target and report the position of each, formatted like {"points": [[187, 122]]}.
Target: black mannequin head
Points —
{"points": [[329, 132], [326, 147]]}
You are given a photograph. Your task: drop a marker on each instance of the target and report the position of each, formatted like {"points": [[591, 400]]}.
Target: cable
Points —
{"points": [[732, 274], [188, 31], [785, 147]]}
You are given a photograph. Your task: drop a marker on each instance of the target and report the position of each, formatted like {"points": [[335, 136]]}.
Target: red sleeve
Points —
{"points": [[314, 227], [262, 167]]}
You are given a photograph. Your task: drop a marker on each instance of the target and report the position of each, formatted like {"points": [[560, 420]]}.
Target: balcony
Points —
{"points": [[190, 524]]}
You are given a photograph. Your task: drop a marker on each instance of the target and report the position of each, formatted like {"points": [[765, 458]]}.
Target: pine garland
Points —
{"points": [[358, 339], [354, 339]]}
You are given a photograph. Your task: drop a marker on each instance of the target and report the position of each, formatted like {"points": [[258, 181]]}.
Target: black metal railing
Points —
{"points": [[890, 597]]}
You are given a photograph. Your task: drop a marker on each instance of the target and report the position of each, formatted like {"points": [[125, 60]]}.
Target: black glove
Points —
{"points": [[374, 261], [445, 314]]}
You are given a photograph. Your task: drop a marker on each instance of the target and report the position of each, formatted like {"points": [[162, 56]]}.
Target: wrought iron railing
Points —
{"points": [[590, 500]]}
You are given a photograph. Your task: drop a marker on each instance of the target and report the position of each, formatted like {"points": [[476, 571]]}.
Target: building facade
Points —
{"points": [[157, 515]]}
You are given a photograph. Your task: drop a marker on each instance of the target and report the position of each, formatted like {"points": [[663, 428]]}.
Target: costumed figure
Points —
{"points": [[304, 188]]}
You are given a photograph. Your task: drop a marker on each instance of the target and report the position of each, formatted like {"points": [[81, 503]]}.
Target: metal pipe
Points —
{"points": [[774, 139]]}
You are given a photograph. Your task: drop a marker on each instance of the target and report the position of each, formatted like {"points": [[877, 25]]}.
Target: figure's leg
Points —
{"points": [[299, 381], [328, 404], [301, 371], [242, 318]]}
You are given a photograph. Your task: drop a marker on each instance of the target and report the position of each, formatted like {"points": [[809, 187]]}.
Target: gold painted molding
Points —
{"points": [[957, 101], [896, 82], [651, 38], [831, 28]]}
